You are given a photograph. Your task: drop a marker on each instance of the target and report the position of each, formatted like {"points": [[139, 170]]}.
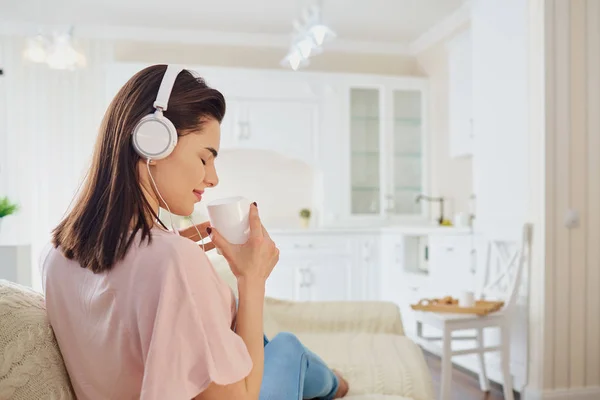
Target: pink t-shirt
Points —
{"points": [[156, 326]]}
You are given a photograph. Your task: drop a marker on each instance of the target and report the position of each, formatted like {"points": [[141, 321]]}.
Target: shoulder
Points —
{"points": [[52, 262], [167, 254], [169, 244]]}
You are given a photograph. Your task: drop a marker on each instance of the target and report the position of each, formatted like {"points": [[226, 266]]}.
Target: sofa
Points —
{"points": [[363, 340]]}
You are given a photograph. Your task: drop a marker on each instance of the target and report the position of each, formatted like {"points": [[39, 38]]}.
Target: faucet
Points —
{"points": [[431, 199]]}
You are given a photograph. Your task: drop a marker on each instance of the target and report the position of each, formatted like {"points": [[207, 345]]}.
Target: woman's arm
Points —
{"points": [[252, 264], [250, 327]]}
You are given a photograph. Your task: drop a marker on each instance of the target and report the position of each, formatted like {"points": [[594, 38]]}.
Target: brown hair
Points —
{"points": [[111, 207]]}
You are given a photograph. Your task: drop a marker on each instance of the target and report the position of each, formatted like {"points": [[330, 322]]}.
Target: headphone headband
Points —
{"points": [[166, 86]]}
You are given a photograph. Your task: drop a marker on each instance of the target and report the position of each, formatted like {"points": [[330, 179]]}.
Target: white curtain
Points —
{"points": [[48, 125]]}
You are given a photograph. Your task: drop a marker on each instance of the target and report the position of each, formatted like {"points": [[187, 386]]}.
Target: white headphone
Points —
{"points": [[155, 137]]}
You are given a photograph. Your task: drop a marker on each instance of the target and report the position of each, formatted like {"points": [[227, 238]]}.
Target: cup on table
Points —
{"points": [[230, 217], [466, 299]]}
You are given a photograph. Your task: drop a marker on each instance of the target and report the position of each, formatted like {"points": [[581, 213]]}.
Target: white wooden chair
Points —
{"points": [[508, 254]]}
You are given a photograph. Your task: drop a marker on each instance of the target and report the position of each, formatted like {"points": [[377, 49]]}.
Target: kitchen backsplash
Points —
{"points": [[281, 186]]}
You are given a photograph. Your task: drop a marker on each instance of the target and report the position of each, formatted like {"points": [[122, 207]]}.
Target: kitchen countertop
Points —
{"points": [[408, 229]]}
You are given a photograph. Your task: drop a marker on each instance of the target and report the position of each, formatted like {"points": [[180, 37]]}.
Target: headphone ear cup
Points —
{"points": [[154, 137]]}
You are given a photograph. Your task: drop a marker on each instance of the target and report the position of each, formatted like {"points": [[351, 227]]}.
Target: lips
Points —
{"points": [[198, 194]]}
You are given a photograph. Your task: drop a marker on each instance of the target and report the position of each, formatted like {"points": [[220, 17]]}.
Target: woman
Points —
{"points": [[137, 310]]}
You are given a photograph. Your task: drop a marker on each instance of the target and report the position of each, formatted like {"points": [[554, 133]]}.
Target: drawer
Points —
{"points": [[316, 243], [450, 243], [451, 257]]}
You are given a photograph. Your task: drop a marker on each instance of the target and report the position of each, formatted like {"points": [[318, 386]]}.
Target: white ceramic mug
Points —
{"points": [[466, 299], [230, 217]]}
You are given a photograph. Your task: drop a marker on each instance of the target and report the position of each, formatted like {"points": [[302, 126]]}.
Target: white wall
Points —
{"points": [[450, 177], [265, 58], [499, 33], [48, 125], [500, 111]]}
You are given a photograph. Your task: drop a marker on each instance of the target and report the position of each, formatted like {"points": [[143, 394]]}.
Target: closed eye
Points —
{"points": [[213, 154], [213, 151]]}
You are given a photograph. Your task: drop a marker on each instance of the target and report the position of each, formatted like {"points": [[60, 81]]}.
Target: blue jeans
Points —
{"points": [[292, 372]]}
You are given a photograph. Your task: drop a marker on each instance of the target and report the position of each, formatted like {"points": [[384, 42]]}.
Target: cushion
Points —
{"points": [[336, 316], [31, 366], [375, 364]]}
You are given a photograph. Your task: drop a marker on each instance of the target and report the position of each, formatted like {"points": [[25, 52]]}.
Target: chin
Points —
{"points": [[183, 210]]}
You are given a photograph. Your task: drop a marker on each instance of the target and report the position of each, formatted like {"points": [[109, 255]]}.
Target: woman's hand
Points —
{"points": [[254, 259], [192, 234]]}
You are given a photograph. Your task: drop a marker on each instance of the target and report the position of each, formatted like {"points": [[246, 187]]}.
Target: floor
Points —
{"points": [[465, 386]]}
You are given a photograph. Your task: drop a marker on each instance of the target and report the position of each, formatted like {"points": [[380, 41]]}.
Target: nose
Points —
{"points": [[211, 179]]}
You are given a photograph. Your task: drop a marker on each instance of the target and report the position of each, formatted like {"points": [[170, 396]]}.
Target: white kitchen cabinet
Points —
{"points": [[326, 267], [366, 157], [230, 127], [451, 265], [326, 278], [424, 265], [460, 98], [266, 110], [367, 261], [286, 127], [386, 151], [392, 267], [403, 282], [309, 276], [283, 282]]}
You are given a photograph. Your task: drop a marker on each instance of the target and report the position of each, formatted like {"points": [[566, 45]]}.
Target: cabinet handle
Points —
{"points": [[299, 246], [310, 277], [240, 135], [366, 251], [302, 271], [244, 130], [390, 204], [247, 130], [306, 272], [449, 249]]}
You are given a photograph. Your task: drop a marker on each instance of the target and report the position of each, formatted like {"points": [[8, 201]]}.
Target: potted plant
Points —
{"points": [[7, 208], [305, 217]]}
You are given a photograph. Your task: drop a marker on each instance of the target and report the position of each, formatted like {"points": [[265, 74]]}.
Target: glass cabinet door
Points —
{"points": [[365, 152], [407, 165]]}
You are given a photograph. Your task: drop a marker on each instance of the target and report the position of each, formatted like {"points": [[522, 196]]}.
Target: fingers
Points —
{"points": [[202, 226], [219, 241], [254, 219], [265, 233]]}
